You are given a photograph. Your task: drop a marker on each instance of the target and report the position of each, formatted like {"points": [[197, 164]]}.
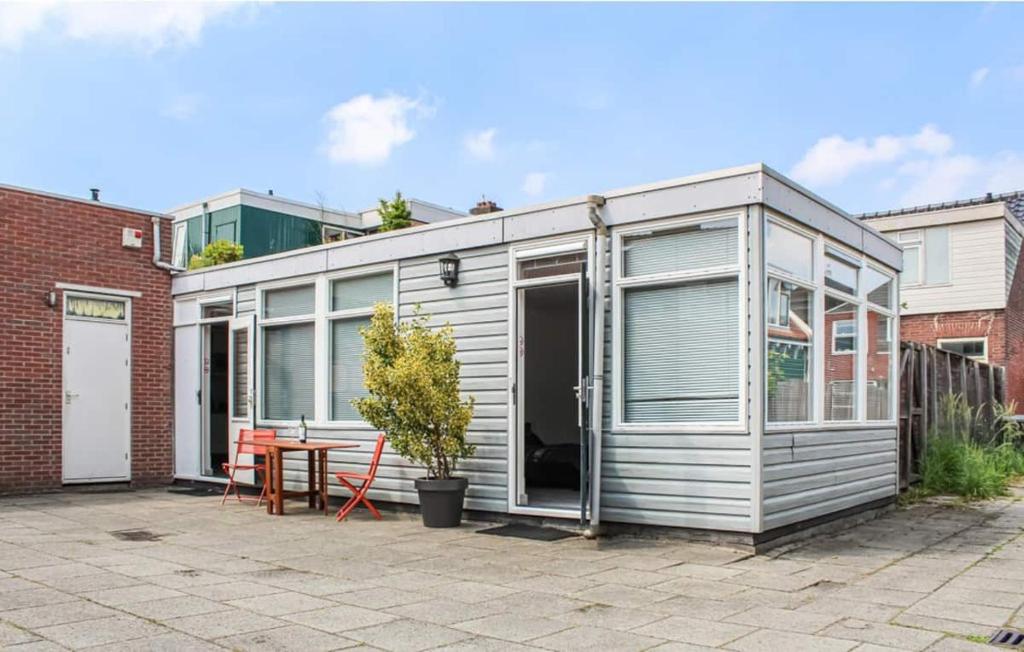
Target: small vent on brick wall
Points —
{"points": [[1007, 638]]}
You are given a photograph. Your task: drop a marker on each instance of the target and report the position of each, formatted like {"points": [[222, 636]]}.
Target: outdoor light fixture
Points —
{"points": [[449, 270], [51, 299]]}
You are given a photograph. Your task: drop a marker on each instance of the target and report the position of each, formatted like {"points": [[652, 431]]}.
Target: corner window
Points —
{"points": [[679, 329], [287, 327], [926, 256], [841, 273], [352, 301], [790, 348], [879, 366], [788, 252]]}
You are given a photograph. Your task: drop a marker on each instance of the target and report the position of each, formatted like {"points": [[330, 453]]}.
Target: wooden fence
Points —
{"points": [[926, 375]]}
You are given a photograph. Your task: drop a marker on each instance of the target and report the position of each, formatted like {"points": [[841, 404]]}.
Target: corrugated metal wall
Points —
{"points": [[812, 473]]}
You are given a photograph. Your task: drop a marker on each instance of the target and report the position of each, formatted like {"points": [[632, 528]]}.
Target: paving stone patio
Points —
{"points": [[153, 570]]}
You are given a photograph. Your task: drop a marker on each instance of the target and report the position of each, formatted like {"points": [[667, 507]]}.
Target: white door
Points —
{"points": [[97, 389], [241, 375], [187, 421]]}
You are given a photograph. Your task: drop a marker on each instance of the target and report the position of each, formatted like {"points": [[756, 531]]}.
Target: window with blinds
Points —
{"points": [[288, 371], [680, 325], [240, 385], [352, 301]]}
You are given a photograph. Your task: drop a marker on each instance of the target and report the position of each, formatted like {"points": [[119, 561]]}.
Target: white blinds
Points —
{"points": [[240, 387], [681, 349], [362, 292], [346, 367], [289, 302], [711, 244], [288, 371]]}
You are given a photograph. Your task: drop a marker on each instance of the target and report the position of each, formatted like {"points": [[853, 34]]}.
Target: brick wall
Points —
{"points": [[928, 329], [47, 240]]}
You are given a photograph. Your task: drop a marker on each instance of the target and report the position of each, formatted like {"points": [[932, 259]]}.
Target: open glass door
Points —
{"points": [[242, 357], [552, 449]]}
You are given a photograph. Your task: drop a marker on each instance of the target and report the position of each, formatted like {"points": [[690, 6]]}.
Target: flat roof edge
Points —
{"points": [[82, 200]]}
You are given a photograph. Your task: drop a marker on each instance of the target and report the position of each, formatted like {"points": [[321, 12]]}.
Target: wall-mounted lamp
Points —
{"points": [[51, 299], [449, 269]]}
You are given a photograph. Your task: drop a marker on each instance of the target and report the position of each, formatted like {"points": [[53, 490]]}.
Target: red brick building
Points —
{"points": [[962, 288], [86, 360]]}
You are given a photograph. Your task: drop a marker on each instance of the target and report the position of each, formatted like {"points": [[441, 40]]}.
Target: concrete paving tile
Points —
{"points": [[58, 571], [881, 634], [32, 598], [279, 604], [482, 644], [702, 572], [676, 646], [783, 619], [231, 590], [378, 598], [621, 596], [979, 597], [513, 627], [88, 633], [972, 613], [147, 567], [223, 623], [943, 626], [167, 608], [766, 640], [891, 597], [952, 644], [641, 562], [698, 588], [440, 611], [629, 577], [585, 639], [471, 592], [833, 606], [407, 635], [8, 584], [172, 642], [764, 580], [688, 606], [554, 584], [35, 646], [56, 614], [609, 617], [340, 618], [535, 604], [189, 577], [11, 635], [292, 638], [139, 593], [97, 582], [409, 580], [693, 630]]}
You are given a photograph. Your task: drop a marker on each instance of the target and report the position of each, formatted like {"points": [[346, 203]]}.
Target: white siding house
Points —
{"points": [[699, 316]]}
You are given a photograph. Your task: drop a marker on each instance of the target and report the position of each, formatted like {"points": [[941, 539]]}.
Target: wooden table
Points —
{"points": [[316, 452]]}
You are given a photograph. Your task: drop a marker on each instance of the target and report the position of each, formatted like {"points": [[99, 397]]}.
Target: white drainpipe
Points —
{"points": [[597, 392], [156, 249]]}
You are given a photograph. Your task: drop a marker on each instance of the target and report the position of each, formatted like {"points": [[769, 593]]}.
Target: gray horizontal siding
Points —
{"points": [[1013, 245], [245, 300], [477, 311], [813, 473], [696, 480]]}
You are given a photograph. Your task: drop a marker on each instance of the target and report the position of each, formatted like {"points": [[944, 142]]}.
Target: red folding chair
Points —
{"points": [[359, 493], [248, 444]]}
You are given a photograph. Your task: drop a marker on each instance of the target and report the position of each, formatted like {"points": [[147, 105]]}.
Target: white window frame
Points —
{"points": [[836, 335], [329, 316], [207, 300], [983, 338], [821, 244], [263, 322], [738, 270], [182, 229], [915, 239]]}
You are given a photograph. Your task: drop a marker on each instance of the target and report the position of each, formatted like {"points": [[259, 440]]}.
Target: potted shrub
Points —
{"points": [[412, 377]]}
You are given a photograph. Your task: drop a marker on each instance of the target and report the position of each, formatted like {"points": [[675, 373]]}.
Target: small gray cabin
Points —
{"points": [[714, 352]]}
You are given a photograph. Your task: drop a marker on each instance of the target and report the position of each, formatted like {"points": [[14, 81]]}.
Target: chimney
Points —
{"points": [[95, 193], [484, 206], [271, 192]]}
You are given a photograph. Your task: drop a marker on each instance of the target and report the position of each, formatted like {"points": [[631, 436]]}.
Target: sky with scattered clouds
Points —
{"points": [[873, 106]]}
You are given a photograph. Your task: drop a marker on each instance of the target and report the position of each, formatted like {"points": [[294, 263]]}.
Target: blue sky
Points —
{"points": [[873, 106]]}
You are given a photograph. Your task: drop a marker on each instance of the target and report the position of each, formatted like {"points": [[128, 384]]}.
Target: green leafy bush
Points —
{"points": [[412, 377], [969, 455], [394, 214], [217, 253]]}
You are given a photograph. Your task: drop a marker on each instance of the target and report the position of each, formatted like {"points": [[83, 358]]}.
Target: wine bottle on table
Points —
{"points": [[302, 429]]}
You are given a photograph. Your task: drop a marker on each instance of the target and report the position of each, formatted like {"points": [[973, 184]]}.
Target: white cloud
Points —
{"points": [[480, 144], [365, 129], [534, 183], [979, 76], [955, 177], [148, 26], [834, 158], [182, 107]]}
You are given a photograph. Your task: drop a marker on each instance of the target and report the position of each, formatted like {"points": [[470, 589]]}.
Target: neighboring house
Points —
{"points": [[264, 223], [744, 336], [85, 367], [962, 286]]}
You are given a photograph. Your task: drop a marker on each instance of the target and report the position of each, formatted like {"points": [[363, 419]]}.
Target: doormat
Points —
{"points": [[532, 532], [193, 491]]}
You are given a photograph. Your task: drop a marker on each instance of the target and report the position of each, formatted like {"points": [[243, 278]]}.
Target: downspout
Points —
{"points": [[594, 203], [156, 249]]}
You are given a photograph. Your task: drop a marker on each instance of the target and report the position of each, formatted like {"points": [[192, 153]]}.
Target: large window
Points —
{"points": [[351, 304], [829, 331], [680, 325], [925, 256], [287, 325], [971, 347]]}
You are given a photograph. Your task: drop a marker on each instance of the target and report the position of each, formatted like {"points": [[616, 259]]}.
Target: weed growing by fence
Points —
{"points": [[972, 452]]}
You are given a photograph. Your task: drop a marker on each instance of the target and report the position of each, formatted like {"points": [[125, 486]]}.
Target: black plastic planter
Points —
{"points": [[441, 501]]}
